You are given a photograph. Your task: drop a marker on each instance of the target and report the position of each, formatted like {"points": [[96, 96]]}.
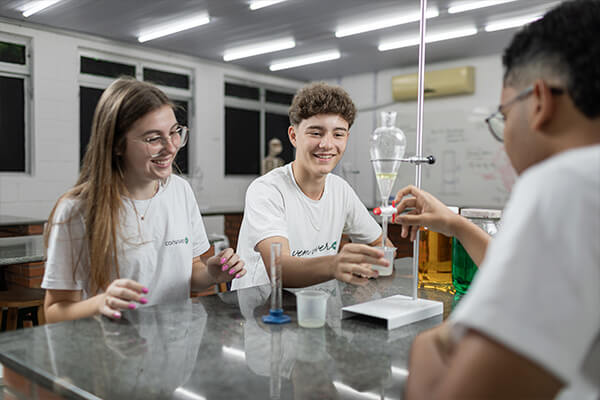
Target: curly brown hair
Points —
{"points": [[321, 98]]}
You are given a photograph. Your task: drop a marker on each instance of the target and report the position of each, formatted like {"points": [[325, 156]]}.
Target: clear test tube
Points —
{"points": [[276, 285], [276, 315]]}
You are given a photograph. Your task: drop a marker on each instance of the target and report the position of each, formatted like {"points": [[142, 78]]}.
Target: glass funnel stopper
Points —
{"points": [[387, 146]]}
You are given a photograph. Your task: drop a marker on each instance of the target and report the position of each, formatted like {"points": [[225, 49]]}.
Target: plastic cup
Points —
{"points": [[312, 308], [389, 254]]}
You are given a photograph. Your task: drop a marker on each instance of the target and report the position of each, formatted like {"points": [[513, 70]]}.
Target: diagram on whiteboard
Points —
{"points": [[472, 169]]}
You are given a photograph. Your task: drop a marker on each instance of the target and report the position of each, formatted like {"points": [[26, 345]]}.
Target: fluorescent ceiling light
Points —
{"points": [[257, 4], [429, 38], [304, 60], [395, 20], [512, 22], [473, 5], [170, 29], [263, 48], [37, 6]]}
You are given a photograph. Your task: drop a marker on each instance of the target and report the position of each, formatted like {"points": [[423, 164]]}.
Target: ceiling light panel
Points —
{"points": [[512, 22], [179, 26], [36, 6], [258, 4], [395, 20], [456, 8], [287, 63], [429, 38], [256, 49]]}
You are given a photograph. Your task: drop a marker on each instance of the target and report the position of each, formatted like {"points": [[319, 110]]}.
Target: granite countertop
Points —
{"points": [[21, 249], [217, 347], [11, 220]]}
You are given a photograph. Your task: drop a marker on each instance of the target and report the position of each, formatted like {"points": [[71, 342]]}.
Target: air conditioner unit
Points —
{"points": [[444, 82]]}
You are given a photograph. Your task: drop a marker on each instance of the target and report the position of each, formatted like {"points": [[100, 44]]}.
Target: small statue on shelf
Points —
{"points": [[271, 161]]}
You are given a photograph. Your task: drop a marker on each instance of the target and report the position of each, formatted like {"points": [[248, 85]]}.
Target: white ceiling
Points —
{"points": [[310, 22]]}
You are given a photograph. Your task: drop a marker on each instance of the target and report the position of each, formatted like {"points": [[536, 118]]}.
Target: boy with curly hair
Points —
{"points": [[306, 208]]}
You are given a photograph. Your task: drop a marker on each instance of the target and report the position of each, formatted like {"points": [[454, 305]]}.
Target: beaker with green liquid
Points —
{"points": [[463, 267]]}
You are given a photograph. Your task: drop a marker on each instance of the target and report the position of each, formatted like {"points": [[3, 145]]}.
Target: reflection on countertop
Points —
{"points": [[217, 347]]}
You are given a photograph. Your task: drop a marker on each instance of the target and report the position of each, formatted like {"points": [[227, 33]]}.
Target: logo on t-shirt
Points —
{"points": [[319, 249], [176, 242]]}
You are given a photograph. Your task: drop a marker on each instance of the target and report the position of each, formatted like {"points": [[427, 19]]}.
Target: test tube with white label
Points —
{"points": [[276, 315]]}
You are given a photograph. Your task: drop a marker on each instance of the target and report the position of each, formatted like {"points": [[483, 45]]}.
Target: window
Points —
{"points": [[98, 71], [14, 104], [94, 66], [254, 115]]}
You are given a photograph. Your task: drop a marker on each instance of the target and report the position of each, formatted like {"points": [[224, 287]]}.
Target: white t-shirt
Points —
{"points": [[156, 252], [276, 206], [538, 291]]}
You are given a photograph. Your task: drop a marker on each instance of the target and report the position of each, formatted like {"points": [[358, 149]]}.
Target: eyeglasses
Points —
{"points": [[496, 120], [156, 143]]}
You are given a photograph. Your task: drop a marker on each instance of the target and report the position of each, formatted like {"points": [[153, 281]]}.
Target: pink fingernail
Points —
{"points": [[232, 271], [225, 267], [238, 275], [131, 306], [143, 300], [117, 315], [144, 290], [223, 260]]}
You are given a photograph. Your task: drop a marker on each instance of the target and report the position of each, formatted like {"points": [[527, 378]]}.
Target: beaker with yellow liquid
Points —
{"points": [[435, 260]]}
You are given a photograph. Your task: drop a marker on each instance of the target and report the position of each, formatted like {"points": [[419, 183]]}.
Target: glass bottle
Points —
{"points": [[463, 267]]}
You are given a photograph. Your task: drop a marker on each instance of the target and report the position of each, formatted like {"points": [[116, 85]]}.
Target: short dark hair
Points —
{"points": [[565, 45], [321, 98]]}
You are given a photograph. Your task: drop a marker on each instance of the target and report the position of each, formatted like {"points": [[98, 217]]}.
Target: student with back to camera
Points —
{"points": [[529, 327]]}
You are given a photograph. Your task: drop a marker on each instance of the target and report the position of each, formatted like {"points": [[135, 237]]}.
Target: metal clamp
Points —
{"points": [[413, 160]]}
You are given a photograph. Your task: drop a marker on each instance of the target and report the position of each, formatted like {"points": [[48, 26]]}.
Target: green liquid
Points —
{"points": [[463, 268]]}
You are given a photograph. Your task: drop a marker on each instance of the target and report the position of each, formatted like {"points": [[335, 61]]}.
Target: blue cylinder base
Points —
{"points": [[276, 316]]}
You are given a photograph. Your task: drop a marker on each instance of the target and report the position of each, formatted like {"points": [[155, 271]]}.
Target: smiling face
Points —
{"points": [[139, 166], [320, 142]]}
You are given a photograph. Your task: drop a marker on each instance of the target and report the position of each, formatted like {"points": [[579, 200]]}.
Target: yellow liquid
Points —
{"points": [[386, 175], [435, 261], [386, 181]]}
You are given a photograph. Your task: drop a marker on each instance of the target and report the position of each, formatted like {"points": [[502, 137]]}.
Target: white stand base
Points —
{"points": [[396, 310]]}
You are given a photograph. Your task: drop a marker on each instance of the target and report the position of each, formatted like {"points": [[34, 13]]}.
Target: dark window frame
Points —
{"points": [[175, 94], [22, 72], [261, 105]]}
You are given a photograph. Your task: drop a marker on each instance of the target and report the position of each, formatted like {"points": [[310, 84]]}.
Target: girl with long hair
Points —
{"points": [[129, 232]]}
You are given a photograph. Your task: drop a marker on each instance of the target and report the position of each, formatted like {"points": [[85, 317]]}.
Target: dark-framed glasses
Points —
{"points": [[155, 143], [496, 120]]}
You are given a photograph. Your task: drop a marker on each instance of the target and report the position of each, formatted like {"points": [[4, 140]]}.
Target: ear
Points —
{"points": [[292, 135], [544, 104]]}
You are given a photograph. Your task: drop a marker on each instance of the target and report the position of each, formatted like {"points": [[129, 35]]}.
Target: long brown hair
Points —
{"points": [[100, 184]]}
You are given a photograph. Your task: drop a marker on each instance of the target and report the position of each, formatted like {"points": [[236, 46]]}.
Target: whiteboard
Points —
{"points": [[471, 169]]}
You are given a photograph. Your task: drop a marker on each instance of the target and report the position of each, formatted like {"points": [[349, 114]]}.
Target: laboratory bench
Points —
{"points": [[217, 347], [11, 225]]}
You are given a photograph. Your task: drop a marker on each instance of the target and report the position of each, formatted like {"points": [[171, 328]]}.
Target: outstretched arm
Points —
{"points": [[121, 294], [428, 211], [352, 264]]}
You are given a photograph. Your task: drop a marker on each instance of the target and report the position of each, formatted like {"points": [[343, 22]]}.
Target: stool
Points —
{"points": [[22, 303]]}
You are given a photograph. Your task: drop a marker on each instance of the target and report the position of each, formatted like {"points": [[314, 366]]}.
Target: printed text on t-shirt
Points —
{"points": [[320, 248]]}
